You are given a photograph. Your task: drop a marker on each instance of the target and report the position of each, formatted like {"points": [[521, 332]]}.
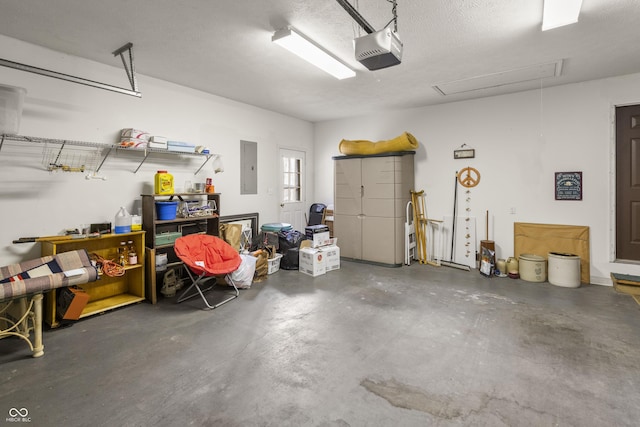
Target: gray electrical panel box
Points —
{"points": [[248, 167]]}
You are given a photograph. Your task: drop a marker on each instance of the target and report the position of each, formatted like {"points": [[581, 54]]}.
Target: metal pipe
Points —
{"points": [[455, 205], [131, 73], [356, 16], [452, 263], [67, 77]]}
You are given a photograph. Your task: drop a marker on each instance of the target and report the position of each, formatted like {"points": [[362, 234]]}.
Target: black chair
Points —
{"points": [[316, 213]]}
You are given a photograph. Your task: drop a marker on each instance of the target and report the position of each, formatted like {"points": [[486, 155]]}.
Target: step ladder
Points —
{"points": [[423, 225], [409, 236]]}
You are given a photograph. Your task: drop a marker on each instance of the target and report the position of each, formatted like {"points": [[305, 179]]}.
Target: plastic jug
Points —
{"points": [[163, 182], [123, 221]]}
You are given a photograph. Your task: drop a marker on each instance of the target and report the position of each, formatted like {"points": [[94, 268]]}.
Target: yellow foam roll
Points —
{"points": [[404, 142]]}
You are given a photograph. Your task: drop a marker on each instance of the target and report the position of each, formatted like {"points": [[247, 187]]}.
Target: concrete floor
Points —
{"points": [[361, 346]]}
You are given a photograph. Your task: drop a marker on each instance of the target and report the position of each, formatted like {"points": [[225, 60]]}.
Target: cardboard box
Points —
{"points": [[134, 133], [70, 302], [331, 257], [311, 262], [320, 239], [310, 230], [179, 146], [318, 234], [158, 142]]}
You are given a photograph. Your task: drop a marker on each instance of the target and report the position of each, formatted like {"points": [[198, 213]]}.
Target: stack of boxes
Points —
{"points": [[319, 253]]}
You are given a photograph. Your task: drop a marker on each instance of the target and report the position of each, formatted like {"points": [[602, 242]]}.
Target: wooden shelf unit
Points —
{"points": [[107, 292], [153, 226]]}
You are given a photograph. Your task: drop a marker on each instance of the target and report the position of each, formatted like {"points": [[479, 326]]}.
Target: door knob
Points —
{"points": [[282, 205]]}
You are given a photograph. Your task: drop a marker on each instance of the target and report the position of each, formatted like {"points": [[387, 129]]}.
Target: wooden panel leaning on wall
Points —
{"points": [[540, 239]]}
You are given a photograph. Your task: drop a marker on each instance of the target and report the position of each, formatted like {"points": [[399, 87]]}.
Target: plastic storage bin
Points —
{"points": [[274, 263], [11, 101], [168, 238], [275, 227]]}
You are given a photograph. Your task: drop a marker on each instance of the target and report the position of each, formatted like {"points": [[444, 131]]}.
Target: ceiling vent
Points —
{"points": [[503, 78]]}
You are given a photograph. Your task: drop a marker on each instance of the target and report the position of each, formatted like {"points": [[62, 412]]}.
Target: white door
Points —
{"points": [[292, 188]]}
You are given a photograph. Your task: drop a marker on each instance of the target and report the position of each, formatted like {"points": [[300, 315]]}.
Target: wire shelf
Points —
{"points": [[73, 159], [102, 152]]}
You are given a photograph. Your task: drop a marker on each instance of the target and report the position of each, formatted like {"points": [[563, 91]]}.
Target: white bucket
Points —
{"points": [[564, 270], [11, 101], [533, 268]]}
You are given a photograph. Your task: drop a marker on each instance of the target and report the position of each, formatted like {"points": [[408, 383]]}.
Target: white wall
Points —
{"points": [[35, 202], [520, 141]]}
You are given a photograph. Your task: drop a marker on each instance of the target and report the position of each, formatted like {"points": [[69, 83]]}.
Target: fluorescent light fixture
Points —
{"points": [[306, 49], [558, 13]]}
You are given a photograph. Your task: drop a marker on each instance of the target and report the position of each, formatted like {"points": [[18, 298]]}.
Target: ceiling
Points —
{"points": [[224, 47]]}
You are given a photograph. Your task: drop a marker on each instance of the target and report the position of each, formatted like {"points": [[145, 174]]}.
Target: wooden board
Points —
{"points": [[627, 289], [625, 279], [627, 284]]}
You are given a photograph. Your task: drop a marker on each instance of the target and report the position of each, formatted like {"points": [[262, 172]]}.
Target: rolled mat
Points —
{"points": [[404, 142]]}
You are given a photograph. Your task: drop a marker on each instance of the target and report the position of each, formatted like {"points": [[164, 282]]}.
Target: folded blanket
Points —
{"points": [[46, 273], [45, 269]]}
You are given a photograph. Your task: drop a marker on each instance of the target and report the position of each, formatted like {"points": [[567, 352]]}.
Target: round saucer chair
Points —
{"points": [[205, 257]]}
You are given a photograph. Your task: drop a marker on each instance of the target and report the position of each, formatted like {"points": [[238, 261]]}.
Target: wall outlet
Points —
{"points": [[512, 211]]}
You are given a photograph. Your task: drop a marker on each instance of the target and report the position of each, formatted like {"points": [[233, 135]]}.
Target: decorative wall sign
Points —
{"points": [[467, 153], [568, 185]]}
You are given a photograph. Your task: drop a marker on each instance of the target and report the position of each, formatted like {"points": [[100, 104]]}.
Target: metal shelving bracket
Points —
{"points": [[128, 68]]}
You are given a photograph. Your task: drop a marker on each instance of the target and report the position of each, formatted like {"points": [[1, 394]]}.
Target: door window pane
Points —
{"points": [[291, 179]]}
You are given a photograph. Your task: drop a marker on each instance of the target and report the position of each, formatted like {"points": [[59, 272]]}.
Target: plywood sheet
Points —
{"points": [[540, 239]]}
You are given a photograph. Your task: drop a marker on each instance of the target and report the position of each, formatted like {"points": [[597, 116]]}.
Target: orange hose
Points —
{"points": [[108, 267]]}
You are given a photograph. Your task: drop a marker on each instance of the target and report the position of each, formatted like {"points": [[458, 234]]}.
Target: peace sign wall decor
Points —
{"points": [[469, 177]]}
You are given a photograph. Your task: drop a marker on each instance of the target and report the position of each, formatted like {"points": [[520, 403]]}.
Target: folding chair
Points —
{"points": [[316, 213], [204, 257]]}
